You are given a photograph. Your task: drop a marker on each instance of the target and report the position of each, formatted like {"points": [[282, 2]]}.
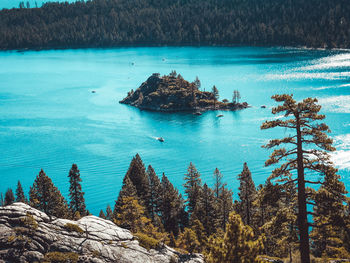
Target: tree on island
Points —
{"points": [[215, 93], [20, 197], [301, 119], [236, 96], [9, 197], [76, 195]]}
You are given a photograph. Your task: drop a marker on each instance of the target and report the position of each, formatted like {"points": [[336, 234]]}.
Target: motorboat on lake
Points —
{"points": [[219, 116], [160, 139]]}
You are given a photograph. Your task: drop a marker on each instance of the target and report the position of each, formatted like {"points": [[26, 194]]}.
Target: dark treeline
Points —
{"points": [[272, 219], [109, 23]]}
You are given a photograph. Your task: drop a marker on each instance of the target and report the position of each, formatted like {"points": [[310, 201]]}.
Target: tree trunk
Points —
{"points": [[302, 213]]}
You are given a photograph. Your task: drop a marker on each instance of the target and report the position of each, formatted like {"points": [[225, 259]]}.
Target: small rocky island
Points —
{"points": [[173, 93]]}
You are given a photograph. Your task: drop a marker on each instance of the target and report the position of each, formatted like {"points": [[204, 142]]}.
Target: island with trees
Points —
{"points": [[173, 93]]}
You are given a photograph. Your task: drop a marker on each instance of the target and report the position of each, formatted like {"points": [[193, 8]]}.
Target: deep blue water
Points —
{"points": [[49, 118]]}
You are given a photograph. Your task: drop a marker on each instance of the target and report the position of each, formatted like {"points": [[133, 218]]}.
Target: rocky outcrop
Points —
{"points": [[173, 93], [29, 235]]}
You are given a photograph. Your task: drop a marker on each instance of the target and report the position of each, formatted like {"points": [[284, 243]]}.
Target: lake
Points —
{"points": [[49, 117]]}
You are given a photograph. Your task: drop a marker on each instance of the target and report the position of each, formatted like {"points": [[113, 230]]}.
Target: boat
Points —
{"points": [[160, 139], [263, 106], [220, 115], [93, 91], [197, 113]]}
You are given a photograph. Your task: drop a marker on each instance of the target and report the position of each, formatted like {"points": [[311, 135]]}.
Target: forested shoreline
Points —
{"points": [[114, 23], [270, 220]]}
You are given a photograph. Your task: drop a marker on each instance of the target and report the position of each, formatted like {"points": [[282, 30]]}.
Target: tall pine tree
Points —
{"points": [[45, 196], [193, 185], [155, 194], [247, 195], [76, 195], [9, 197], [20, 197]]}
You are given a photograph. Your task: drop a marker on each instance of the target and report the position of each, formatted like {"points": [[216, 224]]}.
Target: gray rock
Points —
{"points": [[28, 235]]}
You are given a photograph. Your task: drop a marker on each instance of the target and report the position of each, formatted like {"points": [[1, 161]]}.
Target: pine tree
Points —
{"points": [[109, 214], [102, 214], [9, 197], [329, 218], [225, 206], [188, 241], [215, 93], [139, 178], [218, 183], [307, 149], [45, 196], [237, 245], [155, 193], [193, 185], [247, 195], [128, 190], [206, 210], [76, 195], [172, 210], [20, 197]]}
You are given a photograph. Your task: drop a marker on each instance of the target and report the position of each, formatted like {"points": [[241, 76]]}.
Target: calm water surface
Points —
{"points": [[49, 118]]}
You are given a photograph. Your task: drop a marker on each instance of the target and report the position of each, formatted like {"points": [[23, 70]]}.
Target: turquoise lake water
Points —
{"points": [[49, 118]]}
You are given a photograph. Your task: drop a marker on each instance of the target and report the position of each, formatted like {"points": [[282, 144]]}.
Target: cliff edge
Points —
{"points": [[29, 235]]}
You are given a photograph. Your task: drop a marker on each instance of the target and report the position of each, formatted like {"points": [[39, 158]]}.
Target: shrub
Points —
{"points": [[73, 228], [146, 241], [60, 257]]}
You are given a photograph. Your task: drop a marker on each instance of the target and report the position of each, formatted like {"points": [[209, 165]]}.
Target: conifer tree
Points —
{"points": [[329, 218], [247, 195], [172, 211], [206, 210], [20, 197], [217, 183], [188, 241], [237, 245], [139, 178], [193, 185], [306, 150], [109, 214], [102, 214], [76, 195], [9, 197], [45, 196], [128, 190], [215, 93], [155, 194], [225, 206]]}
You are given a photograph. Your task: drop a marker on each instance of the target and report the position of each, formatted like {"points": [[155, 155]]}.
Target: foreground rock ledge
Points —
{"points": [[29, 235]]}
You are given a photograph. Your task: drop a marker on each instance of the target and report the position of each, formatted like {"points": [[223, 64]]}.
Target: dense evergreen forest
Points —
{"points": [[110, 23], [268, 221]]}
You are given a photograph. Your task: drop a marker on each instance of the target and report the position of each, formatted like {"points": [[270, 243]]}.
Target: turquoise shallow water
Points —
{"points": [[50, 119]]}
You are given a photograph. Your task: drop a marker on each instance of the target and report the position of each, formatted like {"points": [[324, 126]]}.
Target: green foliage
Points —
{"points": [[188, 241], [9, 197], [76, 195], [73, 228], [43, 195], [20, 197], [118, 23], [61, 257], [147, 241], [237, 245], [247, 194], [193, 185]]}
